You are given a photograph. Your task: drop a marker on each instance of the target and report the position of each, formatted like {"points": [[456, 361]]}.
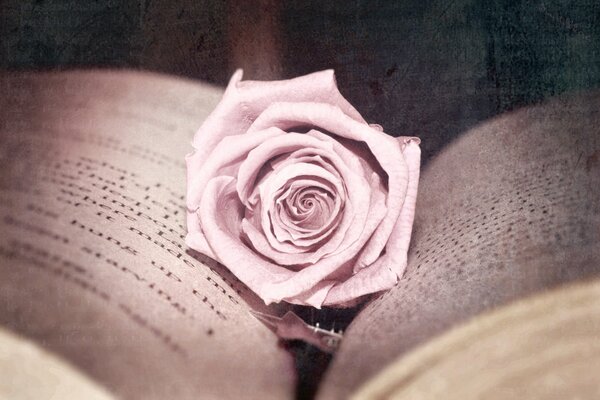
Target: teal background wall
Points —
{"points": [[426, 68]]}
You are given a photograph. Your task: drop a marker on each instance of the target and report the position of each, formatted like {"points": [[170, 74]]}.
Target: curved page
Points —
{"points": [[545, 347], [93, 264], [510, 208], [29, 372]]}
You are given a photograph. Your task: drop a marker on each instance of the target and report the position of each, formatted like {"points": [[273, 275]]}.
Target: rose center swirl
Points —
{"points": [[305, 208], [302, 201]]}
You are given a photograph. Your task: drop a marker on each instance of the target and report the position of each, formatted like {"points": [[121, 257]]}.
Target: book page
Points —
{"points": [[29, 372], [543, 347], [510, 208], [93, 264]]}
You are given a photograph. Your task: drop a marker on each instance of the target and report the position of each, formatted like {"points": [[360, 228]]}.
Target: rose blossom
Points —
{"points": [[298, 196]]}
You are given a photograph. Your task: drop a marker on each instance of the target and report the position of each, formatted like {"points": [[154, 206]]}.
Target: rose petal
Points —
{"points": [[315, 296], [277, 180], [305, 279], [356, 208], [308, 155], [373, 279], [221, 217], [317, 157], [358, 157], [231, 149], [351, 157], [385, 149], [269, 149], [199, 171], [385, 272], [396, 249], [299, 226], [244, 101], [264, 237], [262, 246], [195, 237]]}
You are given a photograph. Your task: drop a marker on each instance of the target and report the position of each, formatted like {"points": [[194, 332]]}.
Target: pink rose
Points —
{"points": [[298, 196]]}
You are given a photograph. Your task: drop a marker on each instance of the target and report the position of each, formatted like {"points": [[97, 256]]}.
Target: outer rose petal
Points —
{"points": [[385, 272], [397, 245], [375, 278], [200, 171], [220, 215], [244, 101], [195, 237], [228, 151]]}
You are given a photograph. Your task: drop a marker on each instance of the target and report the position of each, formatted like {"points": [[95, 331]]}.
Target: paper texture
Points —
{"points": [[29, 372], [544, 347], [93, 264]]}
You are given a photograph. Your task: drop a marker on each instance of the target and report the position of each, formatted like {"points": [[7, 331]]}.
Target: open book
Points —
{"points": [[94, 269]]}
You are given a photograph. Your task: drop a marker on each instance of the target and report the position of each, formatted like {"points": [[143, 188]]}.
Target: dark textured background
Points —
{"points": [[425, 68]]}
